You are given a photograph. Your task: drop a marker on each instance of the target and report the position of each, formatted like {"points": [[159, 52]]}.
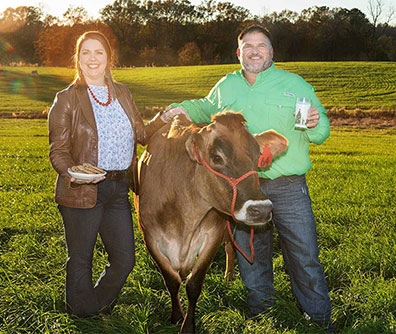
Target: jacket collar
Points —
{"points": [[86, 106], [85, 103], [125, 104]]}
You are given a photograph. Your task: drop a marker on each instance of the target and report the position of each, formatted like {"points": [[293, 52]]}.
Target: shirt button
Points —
{"points": [[251, 89], [250, 107]]}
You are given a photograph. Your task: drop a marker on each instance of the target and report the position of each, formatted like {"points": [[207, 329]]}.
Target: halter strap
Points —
{"points": [[233, 183]]}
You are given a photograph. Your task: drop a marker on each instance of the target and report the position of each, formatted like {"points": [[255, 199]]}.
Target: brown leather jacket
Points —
{"points": [[73, 139]]}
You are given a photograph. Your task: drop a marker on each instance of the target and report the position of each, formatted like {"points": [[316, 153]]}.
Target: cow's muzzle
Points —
{"points": [[255, 213]]}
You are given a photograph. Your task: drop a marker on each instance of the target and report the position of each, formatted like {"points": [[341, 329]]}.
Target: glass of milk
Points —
{"points": [[301, 115]]}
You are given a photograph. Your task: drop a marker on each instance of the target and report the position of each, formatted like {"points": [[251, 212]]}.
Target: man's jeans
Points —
{"points": [[295, 223], [112, 219]]}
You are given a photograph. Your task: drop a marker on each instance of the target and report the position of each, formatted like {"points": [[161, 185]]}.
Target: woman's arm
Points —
{"points": [[59, 125]]}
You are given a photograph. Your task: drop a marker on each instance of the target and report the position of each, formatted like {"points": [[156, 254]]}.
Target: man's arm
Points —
{"points": [[198, 111], [319, 133]]}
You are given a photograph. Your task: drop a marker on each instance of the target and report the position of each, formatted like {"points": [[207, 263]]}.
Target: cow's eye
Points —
{"points": [[217, 159]]}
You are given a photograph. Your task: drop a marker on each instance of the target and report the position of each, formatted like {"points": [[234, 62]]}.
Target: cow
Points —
{"points": [[191, 178]]}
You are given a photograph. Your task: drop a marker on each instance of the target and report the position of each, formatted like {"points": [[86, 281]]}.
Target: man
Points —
{"points": [[266, 97]]}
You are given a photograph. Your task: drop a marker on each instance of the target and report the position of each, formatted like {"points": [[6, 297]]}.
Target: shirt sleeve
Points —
{"points": [[200, 111], [321, 131]]}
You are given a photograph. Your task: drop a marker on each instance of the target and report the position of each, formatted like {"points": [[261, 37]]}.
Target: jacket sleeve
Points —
{"points": [[59, 127], [143, 132]]}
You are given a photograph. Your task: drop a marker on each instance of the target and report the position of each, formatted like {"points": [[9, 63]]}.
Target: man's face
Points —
{"points": [[255, 52]]}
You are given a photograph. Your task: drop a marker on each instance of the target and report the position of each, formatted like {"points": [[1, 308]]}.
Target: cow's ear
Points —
{"points": [[194, 147], [277, 143]]}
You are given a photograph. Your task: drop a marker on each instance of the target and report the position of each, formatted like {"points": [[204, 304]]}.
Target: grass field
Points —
{"points": [[352, 185], [364, 85]]}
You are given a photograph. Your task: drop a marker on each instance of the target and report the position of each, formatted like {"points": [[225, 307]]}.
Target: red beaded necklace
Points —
{"points": [[108, 96]]}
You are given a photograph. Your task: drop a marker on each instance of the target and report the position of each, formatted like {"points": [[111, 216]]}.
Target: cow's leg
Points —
{"points": [[195, 281], [172, 281]]}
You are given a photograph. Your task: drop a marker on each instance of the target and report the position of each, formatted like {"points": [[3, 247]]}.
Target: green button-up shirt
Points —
{"points": [[267, 104]]}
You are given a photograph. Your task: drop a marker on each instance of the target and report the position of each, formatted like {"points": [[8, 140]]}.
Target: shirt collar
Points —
{"points": [[262, 75]]}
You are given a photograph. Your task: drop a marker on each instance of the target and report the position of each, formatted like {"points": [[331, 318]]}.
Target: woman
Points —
{"points": [[95, 121]]}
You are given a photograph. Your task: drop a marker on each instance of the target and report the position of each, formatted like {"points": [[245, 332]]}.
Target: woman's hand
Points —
{"points": [[90, 171], [81, 181]]}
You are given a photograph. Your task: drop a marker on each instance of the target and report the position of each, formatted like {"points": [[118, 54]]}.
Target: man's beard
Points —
{"points": [[258, 68]]}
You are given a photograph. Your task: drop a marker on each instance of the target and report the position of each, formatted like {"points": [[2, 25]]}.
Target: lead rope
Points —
{"points": [[251, 258], [233, 182]]}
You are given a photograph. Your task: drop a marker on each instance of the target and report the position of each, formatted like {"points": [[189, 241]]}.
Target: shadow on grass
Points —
{"points": [[44, 88], [41, 87]]}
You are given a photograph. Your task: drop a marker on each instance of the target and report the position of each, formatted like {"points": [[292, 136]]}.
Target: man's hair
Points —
{"points": [[254, 28]]}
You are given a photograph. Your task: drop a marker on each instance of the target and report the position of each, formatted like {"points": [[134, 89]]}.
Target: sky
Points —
{"points": [[259, 7]]}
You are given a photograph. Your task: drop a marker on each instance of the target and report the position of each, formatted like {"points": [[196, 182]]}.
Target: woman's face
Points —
{"points": [[93, 62]]}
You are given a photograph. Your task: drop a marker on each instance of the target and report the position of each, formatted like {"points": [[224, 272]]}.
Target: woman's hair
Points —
{"points": [[97, 35]]}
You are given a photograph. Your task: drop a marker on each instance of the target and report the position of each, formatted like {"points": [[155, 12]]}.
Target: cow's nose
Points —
{"points": [[255, 212], [259, 212]]}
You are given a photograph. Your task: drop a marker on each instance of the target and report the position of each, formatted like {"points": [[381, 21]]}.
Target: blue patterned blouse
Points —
{"points": [[115, 134]]}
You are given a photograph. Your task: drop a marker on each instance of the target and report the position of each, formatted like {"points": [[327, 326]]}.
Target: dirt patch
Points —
{"points": [[378, 119], [26, 115], [364, 123]]}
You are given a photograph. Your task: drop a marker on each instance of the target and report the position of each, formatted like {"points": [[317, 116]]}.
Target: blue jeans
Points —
{"points": [[295, 223], [112, 219]]}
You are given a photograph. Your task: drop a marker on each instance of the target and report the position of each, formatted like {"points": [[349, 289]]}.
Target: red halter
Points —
{"points": [[265, 160]]}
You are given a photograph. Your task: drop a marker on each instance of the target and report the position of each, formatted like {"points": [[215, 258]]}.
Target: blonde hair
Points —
{"points": [[97, 35]]}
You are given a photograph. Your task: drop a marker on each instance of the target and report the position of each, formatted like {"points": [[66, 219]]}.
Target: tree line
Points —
{"points": [[176, 32]]}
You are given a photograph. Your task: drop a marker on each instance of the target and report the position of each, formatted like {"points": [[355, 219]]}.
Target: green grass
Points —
{"points": [[352, 185], [364, 85]]}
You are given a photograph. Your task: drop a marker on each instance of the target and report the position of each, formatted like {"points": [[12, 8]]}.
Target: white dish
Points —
{"points": [[84, 176]]}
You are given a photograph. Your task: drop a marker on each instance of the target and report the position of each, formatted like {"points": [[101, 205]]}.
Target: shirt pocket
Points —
{"points": [[281, 112]]}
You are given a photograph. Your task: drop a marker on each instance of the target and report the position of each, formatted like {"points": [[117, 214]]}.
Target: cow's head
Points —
{"points": [[230, 149]]}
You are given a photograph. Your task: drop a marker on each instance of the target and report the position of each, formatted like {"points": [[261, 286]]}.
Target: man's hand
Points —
{"points": [[313, 117], [169, 113]]}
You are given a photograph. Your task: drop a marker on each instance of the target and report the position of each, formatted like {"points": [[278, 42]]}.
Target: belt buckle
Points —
{"points": [[116, 175]]}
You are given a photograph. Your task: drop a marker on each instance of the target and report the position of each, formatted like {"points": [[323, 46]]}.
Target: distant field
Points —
{"points": [[364, 85], [352, 185]]}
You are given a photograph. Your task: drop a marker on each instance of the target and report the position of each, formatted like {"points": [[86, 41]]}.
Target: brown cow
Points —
{"points": [[182, 205]]}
